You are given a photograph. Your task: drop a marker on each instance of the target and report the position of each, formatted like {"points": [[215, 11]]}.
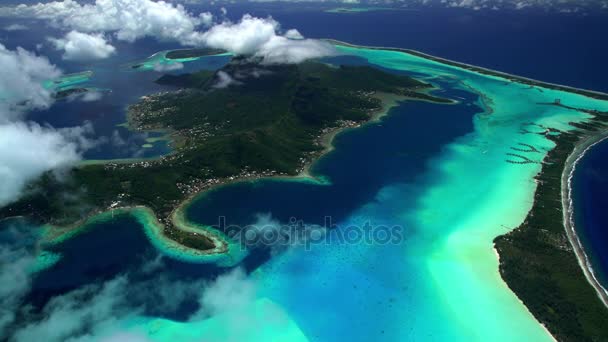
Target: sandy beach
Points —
{"points": [[568, 208]]}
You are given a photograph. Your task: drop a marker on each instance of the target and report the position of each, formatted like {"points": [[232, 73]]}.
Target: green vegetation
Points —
{"points": [[537, 260], [196, 80], [484, 71], [66, 93], [192, 53], [267, 121]]}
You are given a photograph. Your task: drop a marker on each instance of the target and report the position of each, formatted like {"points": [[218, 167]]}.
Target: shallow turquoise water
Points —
{"points": [[471, 196], [443, 283], [437, 171]]}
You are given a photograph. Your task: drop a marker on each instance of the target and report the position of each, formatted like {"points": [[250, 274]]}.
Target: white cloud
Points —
{"points": [[224, 80], [15, 27], [283, 50], [258, 37], [66, 316], [15, 260], [164, 67], [206, 18], [92, 96], [133, 19], [21, 77], [293, 34], [129, 19], [78, 46], [95, 312], [268, 233], [231, 291], [28, 149], [244, 38]]}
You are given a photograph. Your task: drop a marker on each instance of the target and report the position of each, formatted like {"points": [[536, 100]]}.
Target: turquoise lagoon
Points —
{"points": [[160, 61], [438, 171]]}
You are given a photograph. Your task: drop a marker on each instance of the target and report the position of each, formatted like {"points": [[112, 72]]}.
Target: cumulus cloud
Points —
{"points": [[244, 38], [229, 292], [92, 96], [95, 312], [276, 237], [21, 78], [15, 260], [283, 50], [129, 19], [258, 37], [223, 80], [293, 34], [232, 296], [28, 149], [164, 67], [92, 312], [67, 315], [78, 46]]}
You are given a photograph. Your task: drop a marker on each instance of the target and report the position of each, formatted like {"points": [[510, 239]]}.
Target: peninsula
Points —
{"points": [[192, 53], [542, 260], [247, 120]]}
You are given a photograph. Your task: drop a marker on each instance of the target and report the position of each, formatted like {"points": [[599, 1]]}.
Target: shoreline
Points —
{"points": [[481, 70], [328, 138], [537, 306], [577, 154], [389, 101], [156, 233], [543, 326], [542, 261], [177, 217], [569, 167]]}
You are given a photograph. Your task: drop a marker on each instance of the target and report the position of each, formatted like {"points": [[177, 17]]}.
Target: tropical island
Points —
{"points": [[247, 120], [170, 57], [192, 53], [542, 261]]}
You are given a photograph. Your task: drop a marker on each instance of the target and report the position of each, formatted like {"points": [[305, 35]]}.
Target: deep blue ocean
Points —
{"points": [[590, 186], [562, 48], [569, 49]]}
